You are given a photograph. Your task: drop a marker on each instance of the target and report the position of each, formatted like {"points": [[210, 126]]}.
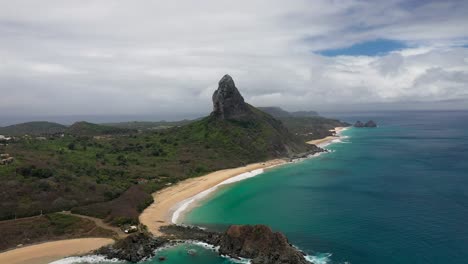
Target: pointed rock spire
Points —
{"points": [[228, 103]]}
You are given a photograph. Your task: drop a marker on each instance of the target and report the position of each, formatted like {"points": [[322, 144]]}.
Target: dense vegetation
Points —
{"points": [[112, 176]]}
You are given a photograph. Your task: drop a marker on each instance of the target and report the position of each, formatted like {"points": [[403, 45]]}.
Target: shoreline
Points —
{"points": [[169, 205], [323, 142], [51, 251], [174, 201], [178, 197]]}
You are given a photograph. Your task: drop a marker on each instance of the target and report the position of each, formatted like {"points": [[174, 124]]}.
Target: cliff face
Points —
{"points": [[228, 103], [260, 244]]}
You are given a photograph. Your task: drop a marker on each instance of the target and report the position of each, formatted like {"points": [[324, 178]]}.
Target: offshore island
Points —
{"points": [[109, 180]]}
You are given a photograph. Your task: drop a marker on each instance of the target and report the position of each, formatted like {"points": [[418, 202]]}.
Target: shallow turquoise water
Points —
{"points": [[394, 194]]}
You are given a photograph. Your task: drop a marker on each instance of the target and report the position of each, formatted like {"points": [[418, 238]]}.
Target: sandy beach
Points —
{"points": [[326, 140], [51, 251], [167, 200]]}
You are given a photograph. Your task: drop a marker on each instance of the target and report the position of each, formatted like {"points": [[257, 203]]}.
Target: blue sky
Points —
{"points": [[367, 48]]}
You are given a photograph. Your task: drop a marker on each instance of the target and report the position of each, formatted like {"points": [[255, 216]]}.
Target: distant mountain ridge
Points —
{"points": [[83, 128], [33, 128], [307, 125], [279, 112], [44, 128]]}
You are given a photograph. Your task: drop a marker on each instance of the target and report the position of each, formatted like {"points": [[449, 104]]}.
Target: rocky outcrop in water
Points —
{"points": [[260, 244], [369, 123], [228, 103], [133, 248]]}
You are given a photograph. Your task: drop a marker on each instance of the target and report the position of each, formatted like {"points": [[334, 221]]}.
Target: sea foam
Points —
{"points": [[322, 258], [86, 259]]}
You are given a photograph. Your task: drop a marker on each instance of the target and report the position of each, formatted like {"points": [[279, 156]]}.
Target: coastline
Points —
{"points": [[169, 205], [177, 198], [322, 142], [172, 202], [51, 251]]}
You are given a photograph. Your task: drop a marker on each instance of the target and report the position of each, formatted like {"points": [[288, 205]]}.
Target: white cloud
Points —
{"points": [[114, 57]]}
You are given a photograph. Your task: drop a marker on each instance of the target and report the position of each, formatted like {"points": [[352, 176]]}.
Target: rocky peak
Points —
{"points": [[228, 103]]}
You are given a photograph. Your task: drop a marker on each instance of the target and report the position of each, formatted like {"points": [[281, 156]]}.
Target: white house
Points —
{"points": [[2, 137]]}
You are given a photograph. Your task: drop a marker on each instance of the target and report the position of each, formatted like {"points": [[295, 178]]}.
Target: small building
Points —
{"points": [[131, 229], [4, 138], [7, 161]]}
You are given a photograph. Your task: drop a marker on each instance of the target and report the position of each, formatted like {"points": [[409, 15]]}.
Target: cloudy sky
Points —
{"points": [[111, 57]]}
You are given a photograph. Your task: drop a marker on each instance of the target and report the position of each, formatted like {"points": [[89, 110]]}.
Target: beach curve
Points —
{"points": [[177, 198], [169, 203]]}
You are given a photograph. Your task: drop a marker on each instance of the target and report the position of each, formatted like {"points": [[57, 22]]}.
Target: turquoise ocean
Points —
{"points": [[393, 194]]}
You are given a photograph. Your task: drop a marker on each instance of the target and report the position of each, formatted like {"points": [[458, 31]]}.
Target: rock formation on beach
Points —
{"points": [[369, 123]]}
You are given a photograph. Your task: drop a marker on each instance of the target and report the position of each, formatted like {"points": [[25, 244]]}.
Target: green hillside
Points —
{"points": [[145, 125], [33, 128], [306, 125], [89, 129]]}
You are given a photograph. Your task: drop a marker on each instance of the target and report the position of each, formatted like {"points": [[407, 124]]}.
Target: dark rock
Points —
{"points": [[228, 103], [133, 248], [257, 243], [370, 123], [358, 124], [260, 244], [190, 233]]}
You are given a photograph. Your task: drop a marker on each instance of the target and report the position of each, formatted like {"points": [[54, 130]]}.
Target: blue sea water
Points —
{"points": [[393, 194]]}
